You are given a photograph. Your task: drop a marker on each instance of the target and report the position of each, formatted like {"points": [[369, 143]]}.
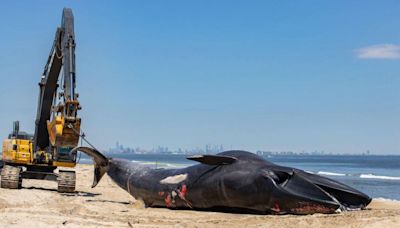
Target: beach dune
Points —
{"points": [[38, 204]]}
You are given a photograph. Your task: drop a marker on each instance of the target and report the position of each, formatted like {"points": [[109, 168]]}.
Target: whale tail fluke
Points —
{"points": [[101, 162]]}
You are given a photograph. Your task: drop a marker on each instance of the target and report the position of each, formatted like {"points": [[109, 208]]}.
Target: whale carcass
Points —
{"points": [[231, 181]]}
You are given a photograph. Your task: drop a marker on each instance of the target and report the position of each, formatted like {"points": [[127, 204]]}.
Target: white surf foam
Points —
{"points": [[372, 176], [331, 173], [387, 200]]}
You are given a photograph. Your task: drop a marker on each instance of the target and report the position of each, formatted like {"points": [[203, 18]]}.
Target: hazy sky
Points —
{"points": [[245, 74]]}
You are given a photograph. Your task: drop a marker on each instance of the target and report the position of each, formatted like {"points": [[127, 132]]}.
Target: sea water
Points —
{"points": [[377, 176]]}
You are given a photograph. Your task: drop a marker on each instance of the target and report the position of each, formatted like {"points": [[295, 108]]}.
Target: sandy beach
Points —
{"points": [[38, 204]]}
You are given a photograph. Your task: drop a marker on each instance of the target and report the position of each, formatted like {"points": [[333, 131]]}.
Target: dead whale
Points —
{"points": [[231, 181]]}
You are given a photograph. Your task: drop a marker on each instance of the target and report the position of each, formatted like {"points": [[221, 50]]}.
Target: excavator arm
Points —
{"points": [[57, 126]]}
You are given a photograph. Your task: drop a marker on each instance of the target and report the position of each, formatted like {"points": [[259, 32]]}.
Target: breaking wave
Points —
{"points": [[372, 176], [331, 173], [386, 199]]}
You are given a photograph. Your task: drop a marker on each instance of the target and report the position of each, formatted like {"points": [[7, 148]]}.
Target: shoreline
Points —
{"points": [[38, 204]]}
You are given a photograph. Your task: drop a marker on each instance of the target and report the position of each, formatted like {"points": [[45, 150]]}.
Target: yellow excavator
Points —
{"points": [[57, 126]]}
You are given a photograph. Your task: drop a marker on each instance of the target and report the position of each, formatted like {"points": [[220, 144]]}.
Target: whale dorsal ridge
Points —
{"points": [[213, 159]]}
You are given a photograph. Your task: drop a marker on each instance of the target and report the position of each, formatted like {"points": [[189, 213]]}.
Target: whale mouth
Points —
{"points": [[313, 192], [348, 197], [101, 162]]}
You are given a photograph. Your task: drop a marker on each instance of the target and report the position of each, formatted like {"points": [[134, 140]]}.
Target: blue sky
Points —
{"points": [[252, 75]]}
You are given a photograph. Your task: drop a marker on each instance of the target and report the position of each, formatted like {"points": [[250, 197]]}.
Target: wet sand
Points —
{"points": [[38, 204]]}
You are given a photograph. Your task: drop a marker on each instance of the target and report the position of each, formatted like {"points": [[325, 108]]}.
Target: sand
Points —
{"points": [[38, 204]]}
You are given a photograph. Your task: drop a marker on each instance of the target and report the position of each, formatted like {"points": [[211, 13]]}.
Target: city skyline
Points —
{"points": [[214, 149]]}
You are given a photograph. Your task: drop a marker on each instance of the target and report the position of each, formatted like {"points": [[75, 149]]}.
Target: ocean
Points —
{"points": [[377, 176]]}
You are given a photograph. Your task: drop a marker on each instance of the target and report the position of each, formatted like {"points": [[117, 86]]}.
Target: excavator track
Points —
{"points": [[66, 181], [11, 177]]}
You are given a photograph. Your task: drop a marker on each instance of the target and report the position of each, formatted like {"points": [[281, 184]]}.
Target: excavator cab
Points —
{"points": [[18, 146]]}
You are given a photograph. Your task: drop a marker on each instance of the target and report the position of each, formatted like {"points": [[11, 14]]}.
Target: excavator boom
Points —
{"points": [[62, 56]]}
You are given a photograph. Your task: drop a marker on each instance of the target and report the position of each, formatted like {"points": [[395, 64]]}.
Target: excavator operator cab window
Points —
{"points": [[20, 135], [63, 154]]}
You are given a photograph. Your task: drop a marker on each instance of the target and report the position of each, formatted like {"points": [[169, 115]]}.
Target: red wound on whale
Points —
{"points": [[276, 208], [184, 190], [168, 200]]}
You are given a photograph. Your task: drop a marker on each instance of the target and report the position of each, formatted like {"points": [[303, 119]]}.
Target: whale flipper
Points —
{"points": [[213, 159]]}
